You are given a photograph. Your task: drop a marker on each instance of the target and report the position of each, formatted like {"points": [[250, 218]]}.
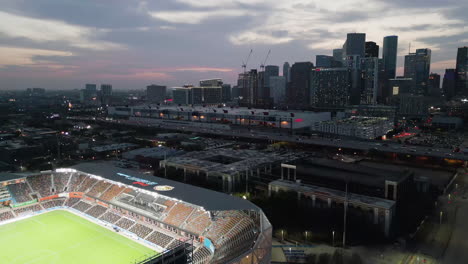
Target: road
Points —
{"points": [[388, 146], [457, 250]]}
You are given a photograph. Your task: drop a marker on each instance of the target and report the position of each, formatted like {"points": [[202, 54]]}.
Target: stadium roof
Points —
{"points": [[208, 199]]}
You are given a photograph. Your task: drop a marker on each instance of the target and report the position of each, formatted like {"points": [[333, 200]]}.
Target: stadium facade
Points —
{"points": [[210, 227]]}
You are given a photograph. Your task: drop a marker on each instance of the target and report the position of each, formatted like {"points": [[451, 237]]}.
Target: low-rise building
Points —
{"points": [[360, 127]]}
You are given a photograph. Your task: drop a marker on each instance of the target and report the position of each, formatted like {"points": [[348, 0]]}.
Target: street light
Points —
{"points": [[306, 233], [441, 214], [282, 235]]}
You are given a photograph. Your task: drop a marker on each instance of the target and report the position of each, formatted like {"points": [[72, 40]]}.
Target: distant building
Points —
{"points": [[236, 92], [286, 71], [89, 94], [412, 106], [360, 127], [299, 87], [355, 44], [462, 71], [372, 49], [106, 93], [156, 93], [211, 83], [189, 95], [338, 57], [226, 91], [323, 61], [248, 84], [417, 67], [264, 84], [434, 85], [354, 64], [449, 85], [370, 80], [278, 89], [389, 55], [400, 85], [211, 95], [330, 87], [182, 96], [371, 111]]}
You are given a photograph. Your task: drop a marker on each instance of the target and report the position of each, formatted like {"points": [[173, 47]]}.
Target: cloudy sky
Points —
{"points": [[63, 44]]}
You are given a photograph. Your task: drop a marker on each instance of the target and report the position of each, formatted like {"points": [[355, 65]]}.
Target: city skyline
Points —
{"points": [[131, 45]]}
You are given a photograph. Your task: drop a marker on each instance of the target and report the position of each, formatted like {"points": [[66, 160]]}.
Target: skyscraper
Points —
{"points": [[155, 93], [434, 85], [271, 70], [338, 56], [106, 94], [448, 84], [370, 77], [106, 90], [372, 49], [278, 89], [417, 67], [299, 87], [330, 87], [226, 93], [462, 71], [389, 56], [89, 94], [353, 63], [248, 84], [324, 61], [355, 44], [286, 71]]}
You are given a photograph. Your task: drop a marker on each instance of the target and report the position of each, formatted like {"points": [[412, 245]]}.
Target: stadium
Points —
{"points": [[98, 213]]}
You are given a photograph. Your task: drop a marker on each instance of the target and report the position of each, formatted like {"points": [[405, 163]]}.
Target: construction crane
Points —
{"points": [[244, 63], [262, 66]]}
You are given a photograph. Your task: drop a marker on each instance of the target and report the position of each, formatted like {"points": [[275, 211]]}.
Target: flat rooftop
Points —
{"points": [[224, 161], [333, 169], [353, 198]]}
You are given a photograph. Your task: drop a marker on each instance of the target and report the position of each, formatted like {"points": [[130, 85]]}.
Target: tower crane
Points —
{"points": [[262, 66], [244, 63]]}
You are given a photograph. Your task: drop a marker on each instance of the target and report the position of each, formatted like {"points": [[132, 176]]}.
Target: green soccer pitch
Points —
{"points": [[62, 237]]}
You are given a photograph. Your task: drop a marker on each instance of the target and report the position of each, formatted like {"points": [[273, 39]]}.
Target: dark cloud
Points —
{"points": [[152, 44]]}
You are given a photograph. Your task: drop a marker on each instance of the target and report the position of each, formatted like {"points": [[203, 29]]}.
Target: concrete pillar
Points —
{"points": [[288, 175], [269, 168], [295, 174], [388, 220], [258, 172], [376, 215], [282, 175], [313, 200], [329, 202], [229, 180], [224, 186]]}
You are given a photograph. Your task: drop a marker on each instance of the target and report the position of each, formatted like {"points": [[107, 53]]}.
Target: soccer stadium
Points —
{"points": [[98, 213]]}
